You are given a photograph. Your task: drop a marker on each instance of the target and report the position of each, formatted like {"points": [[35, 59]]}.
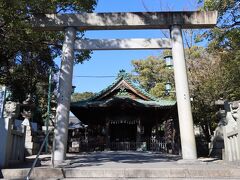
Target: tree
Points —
{"points": [[204, 76], [209, 79], [21, 44], [26, 55], [213, 72], [228, 11], [152, 75], [224, 42]]}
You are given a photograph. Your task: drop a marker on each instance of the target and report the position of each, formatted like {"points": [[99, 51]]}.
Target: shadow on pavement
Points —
{"points": [[101, 158]]}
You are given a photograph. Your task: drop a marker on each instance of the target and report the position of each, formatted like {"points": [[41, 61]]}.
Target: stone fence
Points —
{"points": [[11, 140], [17, 149]]}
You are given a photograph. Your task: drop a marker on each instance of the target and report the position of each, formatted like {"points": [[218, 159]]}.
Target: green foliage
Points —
{"points": [[214, 72], [228, 21], [158, 90], [81, 96], [225, 41], [212, 76], [222, 6], [152, 75], [205, 79], [26, 55]]}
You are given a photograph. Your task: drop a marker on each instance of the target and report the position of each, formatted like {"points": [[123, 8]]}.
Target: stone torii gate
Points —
{"points": [[175, 21]]}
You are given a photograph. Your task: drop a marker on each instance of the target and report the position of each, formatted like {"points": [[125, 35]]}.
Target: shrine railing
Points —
{"points": [[123, 146], [150, 145], [158, 145]]}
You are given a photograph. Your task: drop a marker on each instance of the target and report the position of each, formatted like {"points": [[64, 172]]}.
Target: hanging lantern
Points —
{"points": [[168, 88], [168, 60], [73, 89]]}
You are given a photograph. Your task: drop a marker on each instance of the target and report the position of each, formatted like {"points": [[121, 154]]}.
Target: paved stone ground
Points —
{"points": [[117, 159], [109, 164], [126, 159]]}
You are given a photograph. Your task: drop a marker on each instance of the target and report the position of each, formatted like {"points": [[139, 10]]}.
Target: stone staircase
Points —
{"points": [[126, 165], [153, 173], [175, 172]]}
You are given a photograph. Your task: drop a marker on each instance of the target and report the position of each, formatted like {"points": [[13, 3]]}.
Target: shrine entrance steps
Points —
{"points": [[128, 165]]}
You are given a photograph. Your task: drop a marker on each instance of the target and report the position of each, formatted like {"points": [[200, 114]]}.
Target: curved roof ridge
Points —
{"points": [[122, 75], [115, 82], [141, 90]]}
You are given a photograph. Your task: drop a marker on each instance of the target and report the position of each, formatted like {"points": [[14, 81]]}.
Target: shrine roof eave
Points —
{"points": [[162, 104]]}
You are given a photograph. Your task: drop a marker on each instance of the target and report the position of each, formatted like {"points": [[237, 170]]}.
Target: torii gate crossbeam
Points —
{"points": [[122, 44], [130, 20], [175, 21]]}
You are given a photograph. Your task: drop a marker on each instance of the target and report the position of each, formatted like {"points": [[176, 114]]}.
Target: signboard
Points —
{"points": [[2, 100]]}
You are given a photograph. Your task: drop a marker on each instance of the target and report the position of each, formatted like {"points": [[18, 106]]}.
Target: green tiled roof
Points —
{"points": [[134, 102], [126, 77], [128, 80], [123, 76]]}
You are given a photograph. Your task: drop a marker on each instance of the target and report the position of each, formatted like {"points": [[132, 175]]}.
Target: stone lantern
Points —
{"points": [[27, 110], [28, 107]]}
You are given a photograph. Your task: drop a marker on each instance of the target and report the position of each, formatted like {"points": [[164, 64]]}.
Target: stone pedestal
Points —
{"points": [[31, 144], [217, 141], [5, 148], [74, 147], [11, 111]]}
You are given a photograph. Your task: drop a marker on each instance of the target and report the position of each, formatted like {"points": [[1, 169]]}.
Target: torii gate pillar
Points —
{"points": [[188, 143], [64, 95], [118, 21]]}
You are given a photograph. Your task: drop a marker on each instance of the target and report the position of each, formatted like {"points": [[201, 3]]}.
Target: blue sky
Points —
{"points": [[108, 63]]}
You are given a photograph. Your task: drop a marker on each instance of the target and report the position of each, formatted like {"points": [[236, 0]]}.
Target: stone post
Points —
{"points": [[64, 97], [182, 93], [31, 146], [6, 141], [11, 111]]}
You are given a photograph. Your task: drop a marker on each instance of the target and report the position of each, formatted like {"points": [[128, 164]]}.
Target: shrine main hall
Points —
{"points": [[125, 117]]}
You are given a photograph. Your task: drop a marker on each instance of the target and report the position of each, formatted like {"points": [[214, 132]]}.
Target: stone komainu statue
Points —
{"points": [[231, 131]]}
